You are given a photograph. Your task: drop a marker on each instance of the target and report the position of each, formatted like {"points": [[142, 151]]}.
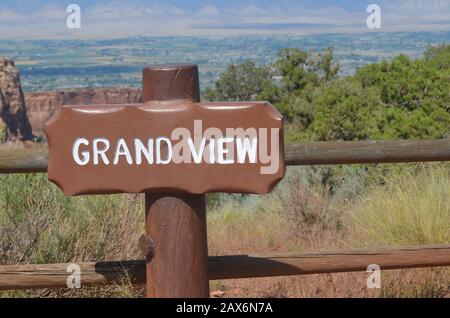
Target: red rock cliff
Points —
{"points": [[41, 106]]}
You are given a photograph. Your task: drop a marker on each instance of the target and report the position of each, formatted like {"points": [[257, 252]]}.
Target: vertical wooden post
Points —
{"points": [[175, 222]]}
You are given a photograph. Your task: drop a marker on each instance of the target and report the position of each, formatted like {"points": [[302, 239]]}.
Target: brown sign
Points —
{"points": [[173, 146]]}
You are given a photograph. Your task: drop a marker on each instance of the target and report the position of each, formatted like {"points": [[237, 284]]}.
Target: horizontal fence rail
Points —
{"points": [[351, 152], [25, 160], [231, 267]]}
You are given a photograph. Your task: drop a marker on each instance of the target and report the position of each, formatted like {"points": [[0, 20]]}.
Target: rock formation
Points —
{"points": [[13, 113], [41, 106], [23, 116]]}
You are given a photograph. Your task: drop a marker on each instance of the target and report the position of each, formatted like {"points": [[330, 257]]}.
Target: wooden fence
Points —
{"points": [[231, 267], [28, 160], [31, 160]]}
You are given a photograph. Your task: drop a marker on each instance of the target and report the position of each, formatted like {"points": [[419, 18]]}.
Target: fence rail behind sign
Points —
{"points": [[28, 160]]}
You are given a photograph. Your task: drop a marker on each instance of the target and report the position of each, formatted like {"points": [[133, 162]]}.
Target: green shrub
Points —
{"points": [[398, 99]]}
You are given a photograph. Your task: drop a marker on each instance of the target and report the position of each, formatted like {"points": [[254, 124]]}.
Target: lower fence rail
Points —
{"points": [[230, 267]]}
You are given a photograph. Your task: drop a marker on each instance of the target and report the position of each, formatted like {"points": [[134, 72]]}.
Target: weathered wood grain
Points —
{"points": [[232, 267], [176, 223], [23, 160], [351, 152]]}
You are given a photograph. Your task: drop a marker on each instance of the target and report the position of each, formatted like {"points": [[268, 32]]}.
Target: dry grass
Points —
{"points": [[411, 208], [3, 132], [394, 284], [39, 225], [297, 218]]}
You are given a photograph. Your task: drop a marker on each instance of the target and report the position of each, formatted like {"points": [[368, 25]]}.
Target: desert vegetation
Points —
{"points": [[411, 207], [314, 208]]}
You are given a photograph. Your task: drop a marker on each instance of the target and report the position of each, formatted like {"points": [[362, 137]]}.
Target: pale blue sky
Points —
{"points": [[193, 5], [112, 18]]}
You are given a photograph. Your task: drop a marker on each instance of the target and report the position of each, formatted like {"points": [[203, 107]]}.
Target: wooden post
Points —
{"points": [[175, 222]]}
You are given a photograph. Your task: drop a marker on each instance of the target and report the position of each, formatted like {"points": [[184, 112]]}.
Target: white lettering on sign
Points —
{"points": [[197, 155], [246, 148], [76, 154], [238, 146], [168, 143], [100, 151], [146, 151], [122, 150], [222, 150]]}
